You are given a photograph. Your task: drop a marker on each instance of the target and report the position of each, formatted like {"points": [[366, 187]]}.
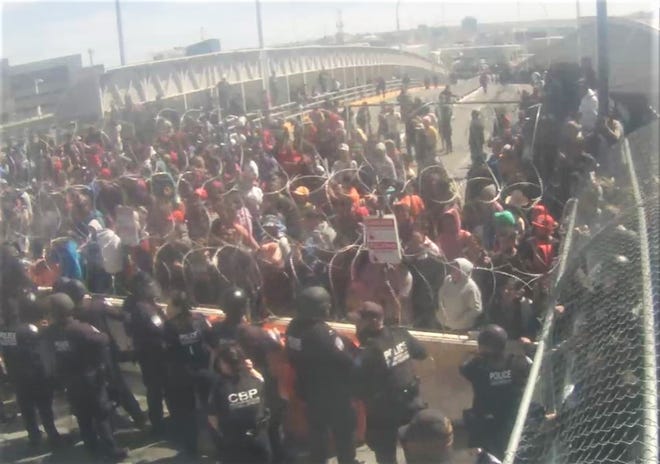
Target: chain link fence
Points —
{"points": [[592, 393]]}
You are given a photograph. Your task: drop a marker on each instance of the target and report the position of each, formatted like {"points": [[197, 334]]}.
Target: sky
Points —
{"points": [[35, 30]]}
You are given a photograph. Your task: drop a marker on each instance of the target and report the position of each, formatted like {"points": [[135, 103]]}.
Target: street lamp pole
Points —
{"points": [[120, 34], [262, 53], [260, 31], [398, 23], [36, 92], [603, 58], [578, 45]]}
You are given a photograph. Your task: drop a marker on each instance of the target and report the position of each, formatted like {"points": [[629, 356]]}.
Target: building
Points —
{"points": [[33, 90], [198, 48]]}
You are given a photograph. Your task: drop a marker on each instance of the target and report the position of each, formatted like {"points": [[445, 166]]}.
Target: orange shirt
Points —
{"points": [[415, 203]]}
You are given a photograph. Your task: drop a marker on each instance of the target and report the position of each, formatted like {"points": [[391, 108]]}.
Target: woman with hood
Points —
{"points": [[459, 297]]}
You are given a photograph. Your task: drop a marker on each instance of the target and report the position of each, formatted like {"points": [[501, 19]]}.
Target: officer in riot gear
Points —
{"points": [[497, 382], [386, 380], [323, 366], [187, 357], [258, 345], [22, 347], [145, 325], [81, 354], [96, 312], [235, 305], [238, 412]]}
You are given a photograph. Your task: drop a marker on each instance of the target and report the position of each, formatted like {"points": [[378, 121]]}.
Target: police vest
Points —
{"points": [[7, 339], [495, 389], [9, 348], [392, 346], [224, 334], [241, 405], [186, 341]]}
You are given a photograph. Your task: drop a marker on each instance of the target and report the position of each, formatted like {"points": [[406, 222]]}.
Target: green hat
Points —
{"points": [[504, 218]]}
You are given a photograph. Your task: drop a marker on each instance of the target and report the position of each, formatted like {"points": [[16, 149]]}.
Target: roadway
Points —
{"points": [[144, 449], [471, 97]]}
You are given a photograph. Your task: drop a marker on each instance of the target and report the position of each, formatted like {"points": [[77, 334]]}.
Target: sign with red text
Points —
{"points": [[381, 238]]}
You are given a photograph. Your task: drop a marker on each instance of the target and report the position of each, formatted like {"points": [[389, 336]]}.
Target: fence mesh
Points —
{"points": [[594, 396]]}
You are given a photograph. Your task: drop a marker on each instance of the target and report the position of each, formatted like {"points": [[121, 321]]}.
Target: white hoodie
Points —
{"points": [[110, 244], [460, 302]]}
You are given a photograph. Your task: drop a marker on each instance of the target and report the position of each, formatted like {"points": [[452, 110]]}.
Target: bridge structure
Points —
{"points": [[189, 82], [634, 58]]}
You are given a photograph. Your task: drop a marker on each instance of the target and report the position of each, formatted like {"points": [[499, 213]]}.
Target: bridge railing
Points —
{"points": [[172, 78]]}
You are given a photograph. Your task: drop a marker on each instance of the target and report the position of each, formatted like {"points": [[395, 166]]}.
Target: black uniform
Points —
{"points": [[97, 315], [187, 356], [239, 404], [81, 353], [145, 325], [497, 386], [387, 383], [257, 344], [428, 273], [323, 367], [22, 349]]}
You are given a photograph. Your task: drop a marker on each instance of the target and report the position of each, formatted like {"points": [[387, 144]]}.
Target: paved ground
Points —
{"points": [[472, 97], [144, 449]]}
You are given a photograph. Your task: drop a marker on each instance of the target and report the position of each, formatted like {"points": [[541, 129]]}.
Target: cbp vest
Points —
{"points": [[245, 406]]}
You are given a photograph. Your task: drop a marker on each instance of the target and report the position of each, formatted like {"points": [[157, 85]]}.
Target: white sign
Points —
{"points": [[382, 239]]}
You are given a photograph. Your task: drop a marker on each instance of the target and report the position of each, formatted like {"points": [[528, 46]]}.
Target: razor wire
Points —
{"points": [[194, 258]]}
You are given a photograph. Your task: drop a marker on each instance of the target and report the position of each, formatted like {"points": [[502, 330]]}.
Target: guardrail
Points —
{"points": [[592, 392]]}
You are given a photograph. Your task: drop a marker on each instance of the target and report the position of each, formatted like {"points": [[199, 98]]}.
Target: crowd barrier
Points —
{"points": [[441, 384]]}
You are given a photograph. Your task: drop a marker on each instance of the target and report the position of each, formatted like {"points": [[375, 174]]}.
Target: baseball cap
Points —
{"points": [[428, 424], [343, 147], [301, 191], [380, 146], [504, 218]]}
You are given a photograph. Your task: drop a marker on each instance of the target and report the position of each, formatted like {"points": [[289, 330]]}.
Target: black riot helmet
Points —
{"points": [[493, 339], [314, 303], [179, 303], [76, 290], [60, 285], [235, 303], [143, 287], [61, 306]]}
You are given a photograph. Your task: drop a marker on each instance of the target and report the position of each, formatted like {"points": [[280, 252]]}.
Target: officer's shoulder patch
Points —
{"points": [[339, 343]]}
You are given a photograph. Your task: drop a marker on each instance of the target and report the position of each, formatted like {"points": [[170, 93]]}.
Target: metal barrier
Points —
{"points": [[591, 396]]}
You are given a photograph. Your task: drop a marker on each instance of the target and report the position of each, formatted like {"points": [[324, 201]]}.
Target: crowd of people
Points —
{"points": [[265, 216]]}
